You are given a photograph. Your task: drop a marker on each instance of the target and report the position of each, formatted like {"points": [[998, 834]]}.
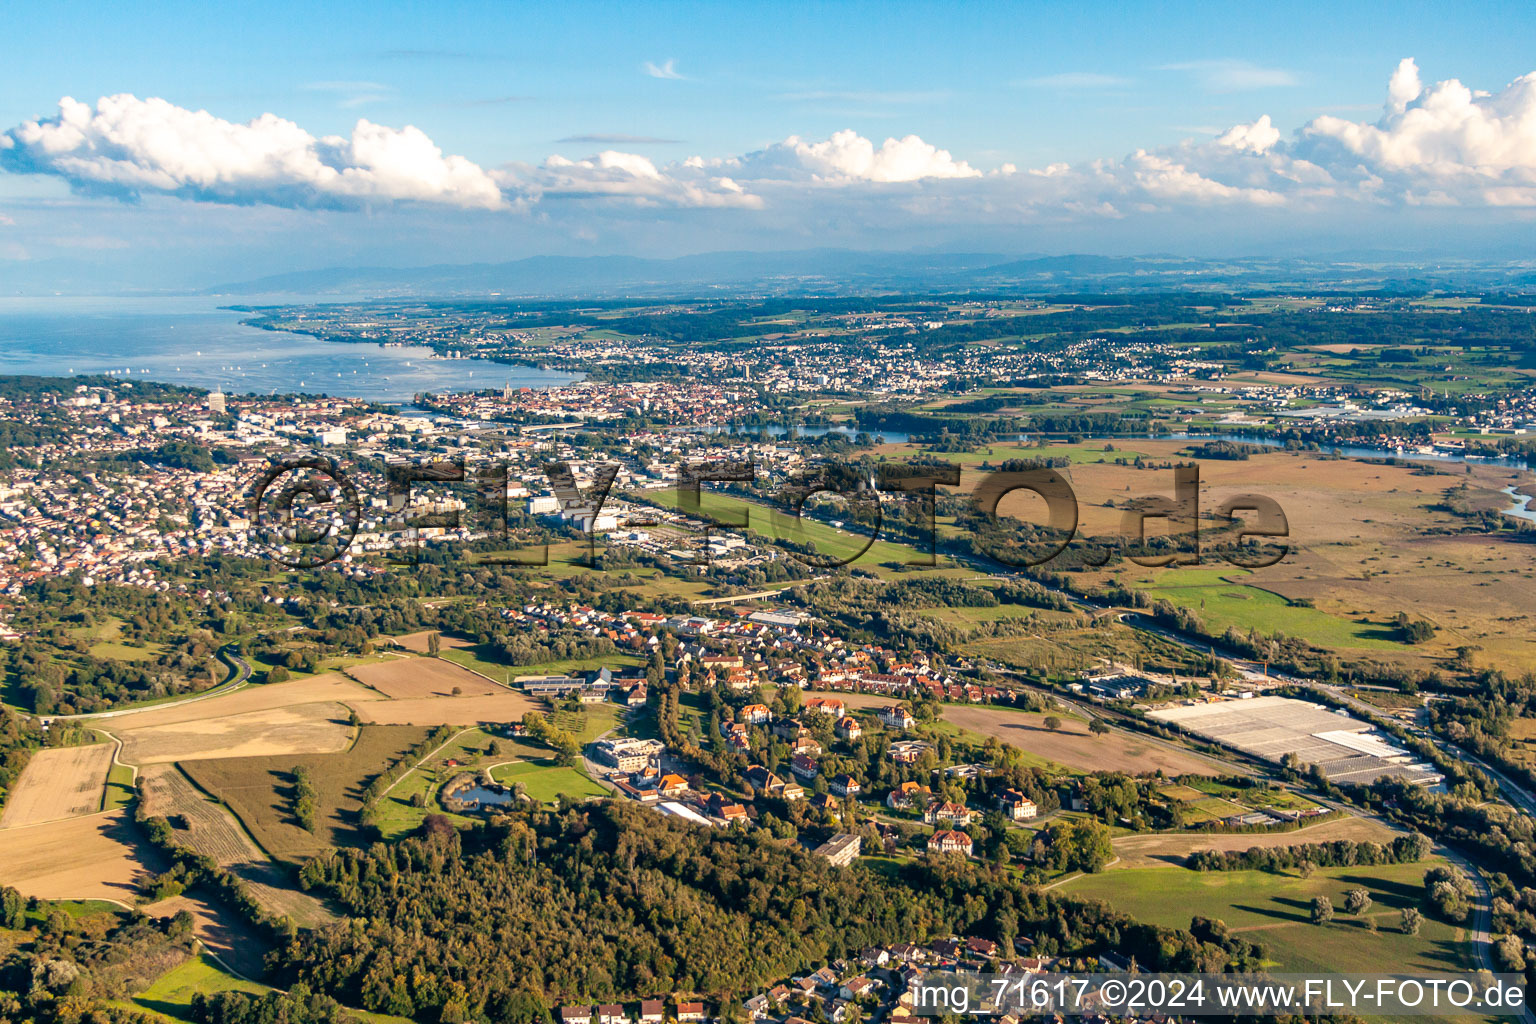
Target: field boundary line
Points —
{"points": [[227, 809]]}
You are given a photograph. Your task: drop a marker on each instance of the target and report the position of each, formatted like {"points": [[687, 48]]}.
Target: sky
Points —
{"points": [[181, 145]]}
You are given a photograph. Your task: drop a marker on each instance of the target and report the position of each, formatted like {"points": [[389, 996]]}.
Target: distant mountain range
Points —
{"points": [[841, 272]]}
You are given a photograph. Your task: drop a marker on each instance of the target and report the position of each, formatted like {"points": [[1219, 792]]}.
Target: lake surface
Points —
{"points": [[478, 794], [194, 343]]}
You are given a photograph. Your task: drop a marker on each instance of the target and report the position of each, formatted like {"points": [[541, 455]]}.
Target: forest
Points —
{"points": [[612, 901]]}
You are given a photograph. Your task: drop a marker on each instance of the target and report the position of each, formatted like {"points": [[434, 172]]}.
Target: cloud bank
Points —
{"points": [[127, 146], [1442, 144]]}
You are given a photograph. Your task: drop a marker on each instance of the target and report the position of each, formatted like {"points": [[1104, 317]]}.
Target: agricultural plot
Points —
{"points": [[417, 642], [303, 729], [329, 687], [1154, 849], [500, 708], [97, 856], [258, 790], [204, 826], [414, 678], [1074, 746], [60, 782]]}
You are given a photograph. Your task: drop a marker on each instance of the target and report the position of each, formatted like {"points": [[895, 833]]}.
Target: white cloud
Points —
{"points": [[1257, 137], [127, 146], [1440, 144], [1229, 75], [847, 157], [614, 175], [666, 69], [1469, 146]]}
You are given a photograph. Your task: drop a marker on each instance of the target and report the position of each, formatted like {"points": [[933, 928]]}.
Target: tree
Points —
{"points": [[434, 644], [1322, 910], [1357, 901], [1052, 722], [1098, 727], [1412, 920]]}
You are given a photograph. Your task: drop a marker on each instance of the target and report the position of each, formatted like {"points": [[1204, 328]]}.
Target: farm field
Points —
{"points": [[1274, 909], [59, 782], [303, 729], [256, 789], [417, 642], [97, 856], [1074, 746], [500, 707], [328, 687], [1157, 849], [414, 678], [210, 830]]}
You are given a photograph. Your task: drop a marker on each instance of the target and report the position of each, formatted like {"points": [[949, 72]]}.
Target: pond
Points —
{"points": [[483, 796]]}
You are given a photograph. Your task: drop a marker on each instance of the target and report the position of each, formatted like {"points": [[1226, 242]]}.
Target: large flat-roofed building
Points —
{"points": [[841, 849], [546, 686], [628, 755]]}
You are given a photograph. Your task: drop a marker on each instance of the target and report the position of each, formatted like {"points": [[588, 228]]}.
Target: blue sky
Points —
{"points": [[1039, 112]]}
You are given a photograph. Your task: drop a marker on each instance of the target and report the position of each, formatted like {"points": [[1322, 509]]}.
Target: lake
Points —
{"points": [[194, 343]]}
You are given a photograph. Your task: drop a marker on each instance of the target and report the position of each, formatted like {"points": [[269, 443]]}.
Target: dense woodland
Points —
{"points": [[613, 901]]}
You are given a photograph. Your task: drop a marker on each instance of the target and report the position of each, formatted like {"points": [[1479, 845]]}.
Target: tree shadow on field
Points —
{"points": [[1301, 912]]}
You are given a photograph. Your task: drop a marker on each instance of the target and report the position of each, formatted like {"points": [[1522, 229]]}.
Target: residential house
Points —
{"points": [[848, 728], [853, 988], [907, 795], [691, 1013], [611, 1013], [948, 813], [895, 716], [947, 841], [651, 1011], [762, 780], [803, 767], [1016, 806], [575, 1015], [827, 706], [844, 785], [672, 785], [756, 714]]}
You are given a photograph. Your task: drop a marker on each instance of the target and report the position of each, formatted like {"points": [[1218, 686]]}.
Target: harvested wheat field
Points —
{"points": [[61, 782], [97, 856], [501, 707], [204, 826], [418, 641], [304, 729], [330, 687], [410, 678], [1075, 747], [1160, 850]]}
